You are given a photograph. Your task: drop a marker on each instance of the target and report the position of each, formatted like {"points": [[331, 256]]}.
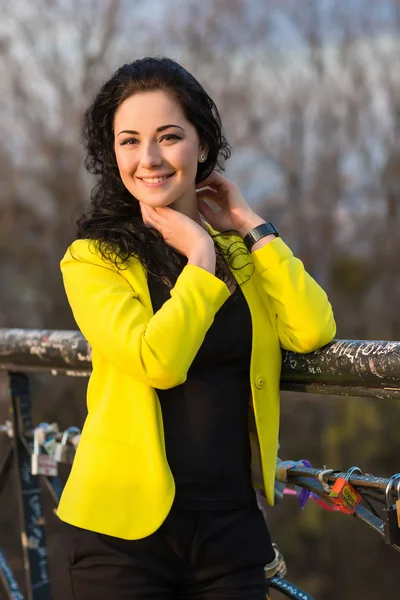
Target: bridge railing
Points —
{"points": [[343, 367]]}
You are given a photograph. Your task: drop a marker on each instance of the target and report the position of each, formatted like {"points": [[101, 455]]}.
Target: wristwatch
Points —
{"points": [[259, 232]]}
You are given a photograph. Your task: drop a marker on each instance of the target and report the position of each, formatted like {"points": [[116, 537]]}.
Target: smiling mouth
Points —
{"points": [[154, 180]]}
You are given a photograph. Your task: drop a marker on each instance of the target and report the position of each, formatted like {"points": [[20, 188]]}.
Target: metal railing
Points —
{"points": [[343, 367]]}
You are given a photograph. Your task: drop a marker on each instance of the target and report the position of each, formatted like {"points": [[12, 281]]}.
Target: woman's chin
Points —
{"points": [[157, 202]]}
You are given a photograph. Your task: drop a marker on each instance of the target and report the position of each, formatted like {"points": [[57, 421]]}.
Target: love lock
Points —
{"points": [[42, 464], [62, 451], [344, 495], [398, 504], [390, 512]]}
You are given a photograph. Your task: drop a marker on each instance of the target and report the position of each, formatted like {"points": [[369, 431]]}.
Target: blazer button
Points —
{"points": [[260, 382]]}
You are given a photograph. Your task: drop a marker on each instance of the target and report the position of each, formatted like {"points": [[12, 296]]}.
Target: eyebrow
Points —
{"points": [[158, 130]]}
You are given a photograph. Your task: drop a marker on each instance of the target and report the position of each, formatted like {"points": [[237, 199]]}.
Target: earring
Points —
{"points": [[202, 157]]}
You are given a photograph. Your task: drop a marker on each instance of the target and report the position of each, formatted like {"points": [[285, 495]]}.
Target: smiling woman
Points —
{"points": [[148, 158], [186, 310], [151, 120]]}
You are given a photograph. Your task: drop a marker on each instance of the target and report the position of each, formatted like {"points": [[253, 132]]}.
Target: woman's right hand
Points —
{"points": [[183, 234]]}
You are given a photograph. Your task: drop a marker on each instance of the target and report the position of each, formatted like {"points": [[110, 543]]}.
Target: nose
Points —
{"points": [[151, 156]]}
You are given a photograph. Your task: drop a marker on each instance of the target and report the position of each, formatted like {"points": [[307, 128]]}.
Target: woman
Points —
{"points": [[186, 325]]}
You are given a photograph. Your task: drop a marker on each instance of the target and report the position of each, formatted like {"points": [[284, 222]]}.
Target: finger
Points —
{"points": [[212, 196], [215, 180], [216, 219], [207, 193], [143, 210], [204, 188], [162, 211], [207, 212], [149, 215], [150, 211]]}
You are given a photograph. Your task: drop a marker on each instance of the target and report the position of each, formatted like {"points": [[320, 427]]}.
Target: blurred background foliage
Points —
{"points": [[309, 93]]}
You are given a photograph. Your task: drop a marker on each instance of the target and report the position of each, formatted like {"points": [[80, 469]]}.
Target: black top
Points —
{"points": [[206, 418]]}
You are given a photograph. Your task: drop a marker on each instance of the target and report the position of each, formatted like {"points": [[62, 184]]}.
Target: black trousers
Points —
{"points": [[196, 555]]}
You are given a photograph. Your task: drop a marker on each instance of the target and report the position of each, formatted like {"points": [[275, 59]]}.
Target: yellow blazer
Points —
{"points": [[120, 483]]}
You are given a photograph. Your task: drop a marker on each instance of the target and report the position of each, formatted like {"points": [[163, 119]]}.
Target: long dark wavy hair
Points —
{"points": [[114, 218]]}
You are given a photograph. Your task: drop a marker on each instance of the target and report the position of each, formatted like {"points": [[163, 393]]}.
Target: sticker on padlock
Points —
{"points": [[390, 524], [50, 444], [42, 464], [344, 495], [63, 452]]}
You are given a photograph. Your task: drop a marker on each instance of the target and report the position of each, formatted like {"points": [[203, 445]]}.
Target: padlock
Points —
{"points": [[390, 523], [50, 444], [344, 495], [63, 453], [277, 567], [42, 464], [45, 437], [398, 504]]}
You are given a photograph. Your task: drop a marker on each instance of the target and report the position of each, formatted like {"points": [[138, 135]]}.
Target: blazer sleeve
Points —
{"points": [[155, 349], [305, 320]]}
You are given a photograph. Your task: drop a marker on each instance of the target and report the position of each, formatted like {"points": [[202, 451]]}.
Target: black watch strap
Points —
{"points": [[259, 232]]}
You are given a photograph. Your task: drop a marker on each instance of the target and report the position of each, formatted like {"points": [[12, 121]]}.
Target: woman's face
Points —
{"points": [[157, 149]]}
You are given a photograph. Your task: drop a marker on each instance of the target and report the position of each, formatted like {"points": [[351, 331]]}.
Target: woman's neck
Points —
{"points": [[188, 206]]}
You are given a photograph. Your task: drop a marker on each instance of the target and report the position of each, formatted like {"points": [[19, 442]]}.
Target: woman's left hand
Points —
{"points": [[234, 212]]}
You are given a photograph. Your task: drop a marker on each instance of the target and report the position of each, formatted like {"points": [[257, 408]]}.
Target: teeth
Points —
{"points": [[155, 179]]}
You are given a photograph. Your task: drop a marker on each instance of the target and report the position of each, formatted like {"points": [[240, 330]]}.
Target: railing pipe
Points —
{"points": [[343, 367]]}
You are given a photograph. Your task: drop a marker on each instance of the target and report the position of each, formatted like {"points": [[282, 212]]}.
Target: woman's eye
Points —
{"points": [[133, 141], [129, 141], [170, 136]]}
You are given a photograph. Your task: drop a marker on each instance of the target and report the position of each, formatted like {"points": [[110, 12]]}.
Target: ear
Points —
{"points": [[203, 153]]}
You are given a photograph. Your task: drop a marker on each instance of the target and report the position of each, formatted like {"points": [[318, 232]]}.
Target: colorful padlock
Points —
{"points": [[343, 494]]}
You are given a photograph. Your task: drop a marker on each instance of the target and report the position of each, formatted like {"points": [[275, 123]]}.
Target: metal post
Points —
{"points": [[29, 499], [8, 579]]}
